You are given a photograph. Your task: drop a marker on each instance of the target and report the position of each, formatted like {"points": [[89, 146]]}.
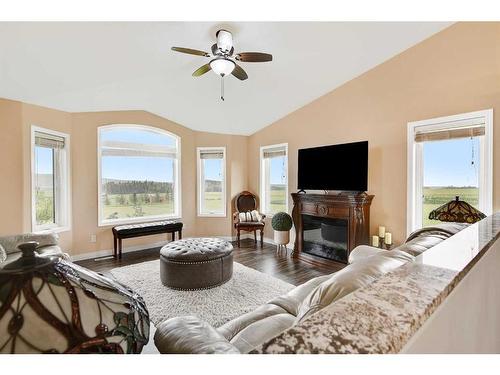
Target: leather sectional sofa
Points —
{"points": [[241, 335]]}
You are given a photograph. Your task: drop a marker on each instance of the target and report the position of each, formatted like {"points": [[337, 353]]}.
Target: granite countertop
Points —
{"points": [[383, 316]]}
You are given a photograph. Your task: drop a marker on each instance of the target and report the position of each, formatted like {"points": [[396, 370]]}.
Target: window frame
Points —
{"points": [[62, 195], [264, 172], [177, 175], [200, 176], [415, 162]]}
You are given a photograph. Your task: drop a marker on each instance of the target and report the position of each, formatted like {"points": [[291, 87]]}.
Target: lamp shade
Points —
{"points": [[222, 67], [49, 305], [456, 211]]}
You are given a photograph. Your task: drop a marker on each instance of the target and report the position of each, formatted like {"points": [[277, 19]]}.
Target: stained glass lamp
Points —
{"points": [[49, 305], [457, 211]]}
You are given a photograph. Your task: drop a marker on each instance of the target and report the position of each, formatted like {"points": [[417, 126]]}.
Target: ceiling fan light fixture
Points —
{"points": [[222, 67]]}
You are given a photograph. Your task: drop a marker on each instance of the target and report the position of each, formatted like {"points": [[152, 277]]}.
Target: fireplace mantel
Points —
{"points": [[353, 208]]}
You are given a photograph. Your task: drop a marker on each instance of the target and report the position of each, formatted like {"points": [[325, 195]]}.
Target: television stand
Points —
{"points": [[329, 226]]}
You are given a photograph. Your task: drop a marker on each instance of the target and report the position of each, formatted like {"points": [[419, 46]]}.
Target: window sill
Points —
{"points": [[52, 230], [111, 223]]}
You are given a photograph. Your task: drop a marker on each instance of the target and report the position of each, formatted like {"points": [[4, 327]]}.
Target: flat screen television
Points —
{"points": [[342, 167]]}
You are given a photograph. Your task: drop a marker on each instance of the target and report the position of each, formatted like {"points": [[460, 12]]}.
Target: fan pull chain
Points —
{"points": [[222, 87]]}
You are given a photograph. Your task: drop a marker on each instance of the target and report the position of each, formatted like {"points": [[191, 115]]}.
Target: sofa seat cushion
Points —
{"points": [[344, 282]]}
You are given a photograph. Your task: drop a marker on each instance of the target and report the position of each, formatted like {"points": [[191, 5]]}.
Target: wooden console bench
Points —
{"points": [[143, 229]]}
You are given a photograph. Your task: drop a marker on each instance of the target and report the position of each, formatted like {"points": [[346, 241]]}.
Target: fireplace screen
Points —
{"points": [[326, 238]]}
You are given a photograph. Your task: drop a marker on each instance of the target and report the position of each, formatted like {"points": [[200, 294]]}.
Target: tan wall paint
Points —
{"points": [[15, 153], [11, 166], [455, 71]]}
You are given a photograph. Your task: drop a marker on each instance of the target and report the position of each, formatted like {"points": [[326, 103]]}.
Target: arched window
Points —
{"points": [[138, 174]]}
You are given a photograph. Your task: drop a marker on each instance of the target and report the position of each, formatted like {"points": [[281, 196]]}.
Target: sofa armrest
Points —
{"points": [[190, 335], [363, 252]]}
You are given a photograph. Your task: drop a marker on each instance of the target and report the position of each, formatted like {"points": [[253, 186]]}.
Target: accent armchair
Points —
{"points": [[246, 202]]}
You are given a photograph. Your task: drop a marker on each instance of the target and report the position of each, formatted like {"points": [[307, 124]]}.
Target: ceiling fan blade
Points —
{"points": [[190, 51], [253, 57], [239, 73], [201, 70]]}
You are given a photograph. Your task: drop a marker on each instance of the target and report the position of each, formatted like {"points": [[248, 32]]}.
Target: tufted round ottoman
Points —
{"points": [[196, 263]]}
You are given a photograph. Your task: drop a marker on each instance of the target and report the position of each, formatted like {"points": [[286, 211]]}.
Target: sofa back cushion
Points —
{"points": [[354, 276]]}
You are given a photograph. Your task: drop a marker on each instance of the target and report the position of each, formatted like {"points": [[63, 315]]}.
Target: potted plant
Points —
{"points": [[281, 223]]}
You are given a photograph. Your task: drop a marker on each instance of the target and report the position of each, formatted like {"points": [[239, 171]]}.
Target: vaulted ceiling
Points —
{"points": [[79, 67]]}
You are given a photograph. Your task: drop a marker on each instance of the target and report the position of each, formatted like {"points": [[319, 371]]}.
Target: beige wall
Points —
{"points": [[455, 71], [11, 166]]}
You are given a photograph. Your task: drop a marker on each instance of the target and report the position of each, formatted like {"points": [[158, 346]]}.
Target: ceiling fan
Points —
{"points": [[223, 61]]}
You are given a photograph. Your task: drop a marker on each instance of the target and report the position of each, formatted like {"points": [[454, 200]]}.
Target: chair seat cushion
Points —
{"points": [[250, 224], [143, 228]]}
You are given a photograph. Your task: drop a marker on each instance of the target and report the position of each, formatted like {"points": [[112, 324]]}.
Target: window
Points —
{"points": [[274, 178], [211, 181], [50, 180], [448, 157], [139, 174]]}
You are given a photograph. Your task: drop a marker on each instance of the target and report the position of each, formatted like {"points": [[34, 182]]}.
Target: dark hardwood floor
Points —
{"points": [[263, 259]]}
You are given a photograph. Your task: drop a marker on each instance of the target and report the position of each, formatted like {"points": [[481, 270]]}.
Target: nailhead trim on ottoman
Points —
{"points": [[196, 263]]}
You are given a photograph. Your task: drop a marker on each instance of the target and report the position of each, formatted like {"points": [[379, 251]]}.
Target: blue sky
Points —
{"points": [[448, 163], [43, 160]]}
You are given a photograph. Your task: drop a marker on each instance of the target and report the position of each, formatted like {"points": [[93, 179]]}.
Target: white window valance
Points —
{"points": [[274, 152], [467, 130], [118, 148], [49, 140], [211, 154]]}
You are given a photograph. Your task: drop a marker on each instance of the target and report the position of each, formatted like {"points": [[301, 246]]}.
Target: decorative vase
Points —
{"points": [[49, 305], [281, 237]]}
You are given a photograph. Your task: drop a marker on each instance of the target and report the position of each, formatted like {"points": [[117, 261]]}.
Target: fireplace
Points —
{"points": [[329, 226], [325, 237]]}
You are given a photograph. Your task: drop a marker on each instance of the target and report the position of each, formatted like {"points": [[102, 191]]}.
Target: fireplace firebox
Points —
{"points": [[329, 226], [325, 237]]}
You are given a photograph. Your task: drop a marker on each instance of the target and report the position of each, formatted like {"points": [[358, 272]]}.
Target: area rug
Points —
{"points": [[246, 290]]}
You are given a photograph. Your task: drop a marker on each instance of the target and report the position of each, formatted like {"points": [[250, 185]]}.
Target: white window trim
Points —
{"points": [[262, 181], [415, 167], [200, 178], [177, 173], [64, 212]]}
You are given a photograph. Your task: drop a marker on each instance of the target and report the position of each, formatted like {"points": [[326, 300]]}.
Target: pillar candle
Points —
{"points": [[375, 241], [388, 238], [381, 231]]}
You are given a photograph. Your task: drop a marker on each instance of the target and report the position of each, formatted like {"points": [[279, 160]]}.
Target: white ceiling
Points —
{"points": [[80, 67]]}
